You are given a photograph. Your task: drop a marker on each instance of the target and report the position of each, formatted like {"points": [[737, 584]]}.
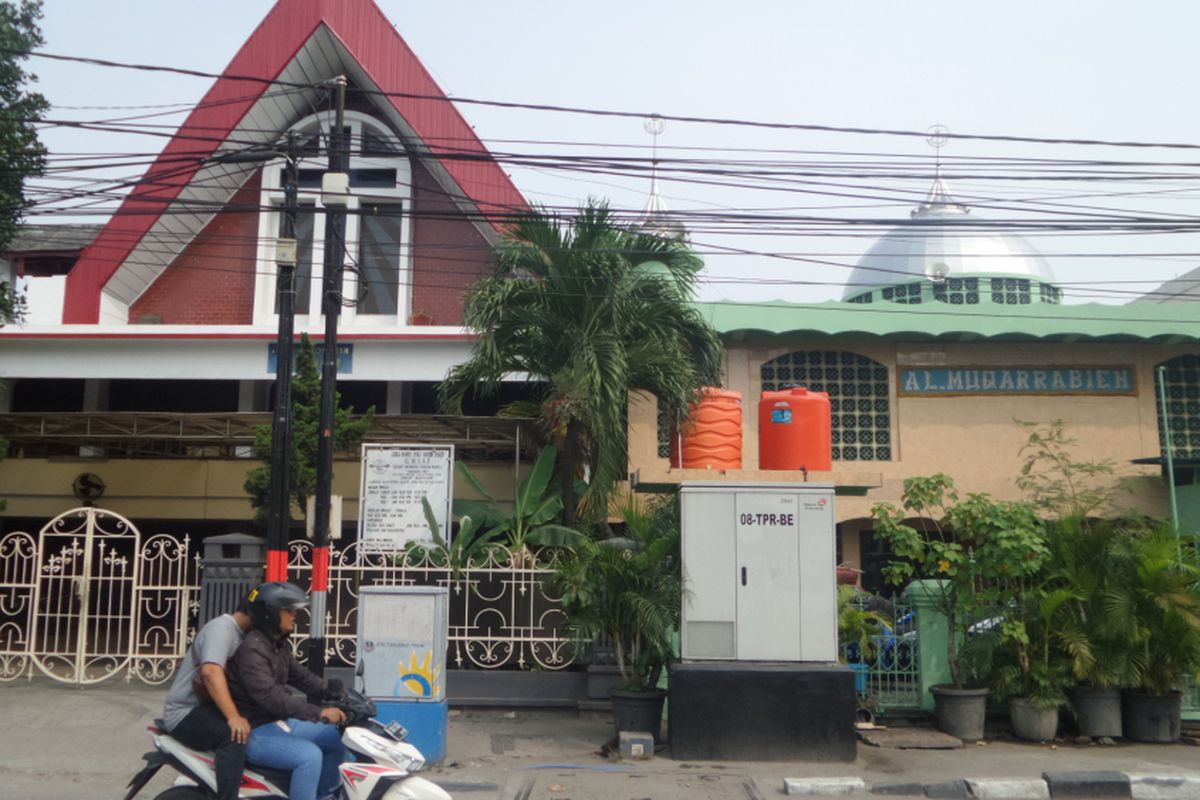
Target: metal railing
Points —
{"points": [[502, 613], [88, 598], [137, 434]]}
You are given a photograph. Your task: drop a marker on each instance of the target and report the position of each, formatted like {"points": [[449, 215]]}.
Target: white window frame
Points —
{"points": [[272, 199]]}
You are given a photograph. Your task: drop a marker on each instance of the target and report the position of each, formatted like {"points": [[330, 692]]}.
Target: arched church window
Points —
{"points": [[1182, 384], [377, 252], [858, 396]]}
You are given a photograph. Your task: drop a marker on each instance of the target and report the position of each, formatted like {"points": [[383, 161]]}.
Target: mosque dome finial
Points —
{"points": [[656, 217], [943, 241]]}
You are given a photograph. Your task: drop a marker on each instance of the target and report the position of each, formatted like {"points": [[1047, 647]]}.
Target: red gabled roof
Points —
{"points": [[371, 39]]}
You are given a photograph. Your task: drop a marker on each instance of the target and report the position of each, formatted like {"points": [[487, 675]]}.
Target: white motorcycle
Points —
{"points": [[384, 770]]}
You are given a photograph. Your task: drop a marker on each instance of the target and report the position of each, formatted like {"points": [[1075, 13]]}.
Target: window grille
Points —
{"points": [[665, 426], [957, 291], [1011, 291], [1182, 384], [908, 293], [1050, 293]]}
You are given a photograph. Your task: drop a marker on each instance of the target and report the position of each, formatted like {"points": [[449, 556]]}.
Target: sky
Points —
{"points": [[782, 214]]}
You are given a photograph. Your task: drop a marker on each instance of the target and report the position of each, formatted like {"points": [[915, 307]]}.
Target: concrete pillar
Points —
{"points": [[399, 398], [933, 635], [6, 393], [252, 396], [95, 395], [95, 398]]}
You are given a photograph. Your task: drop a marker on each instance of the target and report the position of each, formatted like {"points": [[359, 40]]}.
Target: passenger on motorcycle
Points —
{"points": [[286, 730], [212, 722]]}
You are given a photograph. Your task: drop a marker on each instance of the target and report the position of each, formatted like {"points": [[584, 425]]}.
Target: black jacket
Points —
{"points": [[259, 675]]}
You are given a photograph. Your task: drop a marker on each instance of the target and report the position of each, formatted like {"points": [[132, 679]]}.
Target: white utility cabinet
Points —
{"points": [[760, 572], [402, 635]]}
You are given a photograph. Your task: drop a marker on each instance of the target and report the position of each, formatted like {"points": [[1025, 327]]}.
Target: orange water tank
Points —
{"points": [[712, 437], [795, 430]]}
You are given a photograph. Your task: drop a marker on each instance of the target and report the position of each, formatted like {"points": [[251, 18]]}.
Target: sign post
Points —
{"points": [[395, 478]]}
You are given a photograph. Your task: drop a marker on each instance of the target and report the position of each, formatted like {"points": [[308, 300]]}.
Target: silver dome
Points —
{"points": [[944, 241]]}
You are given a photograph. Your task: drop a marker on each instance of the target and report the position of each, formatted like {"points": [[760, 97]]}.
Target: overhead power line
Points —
{"points": [[548, 107]]}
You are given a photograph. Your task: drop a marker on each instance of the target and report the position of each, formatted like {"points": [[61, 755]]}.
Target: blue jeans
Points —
{"points": [[312, 751]]}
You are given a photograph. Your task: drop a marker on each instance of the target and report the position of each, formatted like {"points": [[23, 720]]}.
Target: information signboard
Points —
{"points": [[394, 479]]}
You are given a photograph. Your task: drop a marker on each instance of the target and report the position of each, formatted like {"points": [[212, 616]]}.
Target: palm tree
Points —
{"points": [[595, 311]]}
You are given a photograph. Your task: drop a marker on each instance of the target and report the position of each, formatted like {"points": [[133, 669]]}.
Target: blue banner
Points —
{"points": [[345, 360], [949, 381]]}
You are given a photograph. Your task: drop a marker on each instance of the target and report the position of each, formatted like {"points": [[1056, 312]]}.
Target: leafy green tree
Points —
{"points": [[21, 154], [979, 549], [595, 311], [1057, 482], [306, 408]]}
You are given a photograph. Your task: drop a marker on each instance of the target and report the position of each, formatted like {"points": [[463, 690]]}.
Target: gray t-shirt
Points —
{"points": [[215, 644]]}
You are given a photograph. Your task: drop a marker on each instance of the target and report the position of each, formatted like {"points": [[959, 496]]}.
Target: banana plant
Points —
{"points": [[468, 546], [534, 510]]}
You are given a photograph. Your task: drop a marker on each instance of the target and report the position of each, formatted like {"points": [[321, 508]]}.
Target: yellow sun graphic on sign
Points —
{"points": [[420, 677]]}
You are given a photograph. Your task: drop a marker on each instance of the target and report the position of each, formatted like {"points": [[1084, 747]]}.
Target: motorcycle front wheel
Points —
{"points": [[184, 793]]}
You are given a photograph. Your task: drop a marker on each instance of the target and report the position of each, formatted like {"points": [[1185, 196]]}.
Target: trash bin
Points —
{"points": [[232, 565]]}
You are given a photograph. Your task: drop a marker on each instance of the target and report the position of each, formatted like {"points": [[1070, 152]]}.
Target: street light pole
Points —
{"points": [[279, 515], [334, 192]]}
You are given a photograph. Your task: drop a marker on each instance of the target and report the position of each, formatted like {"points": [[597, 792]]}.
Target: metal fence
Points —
{"points": [[887, 671], [89, 598], [502, 611]]}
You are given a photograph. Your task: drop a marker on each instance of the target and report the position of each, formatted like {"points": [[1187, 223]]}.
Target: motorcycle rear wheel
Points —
{"points": [[184, 793]]}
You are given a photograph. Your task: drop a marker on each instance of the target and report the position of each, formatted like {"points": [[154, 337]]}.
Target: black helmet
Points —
{"points": [[269, 599]]}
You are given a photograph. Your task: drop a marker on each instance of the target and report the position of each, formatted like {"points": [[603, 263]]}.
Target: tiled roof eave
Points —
{"points": [[1176, 324]]}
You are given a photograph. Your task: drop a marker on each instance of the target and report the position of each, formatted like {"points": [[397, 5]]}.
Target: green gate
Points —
{"points": [[887, 675]]}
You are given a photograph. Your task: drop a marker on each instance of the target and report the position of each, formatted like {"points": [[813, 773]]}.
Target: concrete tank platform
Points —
{"points": [[762, 711]]}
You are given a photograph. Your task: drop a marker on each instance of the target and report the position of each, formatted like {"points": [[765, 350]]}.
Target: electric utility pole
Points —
{"points": [[279, 515], [335, 191]]}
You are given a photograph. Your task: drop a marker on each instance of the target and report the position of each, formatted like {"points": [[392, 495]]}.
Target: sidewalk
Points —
{"points": [[58, 742]]}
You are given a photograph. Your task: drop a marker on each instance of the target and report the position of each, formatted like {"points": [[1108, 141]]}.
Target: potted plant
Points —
{"points": [[1033, 670], [1167, 608], [1093, 562], [966, 553], [630, 590]]}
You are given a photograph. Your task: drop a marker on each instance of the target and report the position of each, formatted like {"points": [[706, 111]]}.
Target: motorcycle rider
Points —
{"points": [[214, 723], [285, 729]]}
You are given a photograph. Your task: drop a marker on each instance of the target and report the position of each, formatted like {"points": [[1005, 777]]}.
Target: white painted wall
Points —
{"points": [[210, 353]]}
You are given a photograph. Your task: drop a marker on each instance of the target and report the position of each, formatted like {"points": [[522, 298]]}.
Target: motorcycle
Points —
{"points": [[384, 769]]}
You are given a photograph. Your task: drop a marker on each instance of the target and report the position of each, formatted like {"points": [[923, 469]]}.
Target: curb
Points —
{"points": [[1164, 787], [823, 787], [1092, 785]]}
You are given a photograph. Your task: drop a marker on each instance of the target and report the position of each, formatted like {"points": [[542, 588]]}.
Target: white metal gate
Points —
{"points": [[89, 599]]}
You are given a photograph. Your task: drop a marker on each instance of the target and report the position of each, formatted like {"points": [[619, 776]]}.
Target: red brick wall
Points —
{"points": [[212, 281], [449, 254]]}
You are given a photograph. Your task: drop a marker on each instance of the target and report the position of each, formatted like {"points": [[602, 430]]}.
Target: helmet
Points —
{"points": [[267, 600]]}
